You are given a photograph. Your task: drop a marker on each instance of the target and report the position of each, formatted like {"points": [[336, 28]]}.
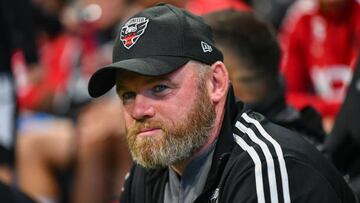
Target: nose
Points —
{"points": [[142, 108]]}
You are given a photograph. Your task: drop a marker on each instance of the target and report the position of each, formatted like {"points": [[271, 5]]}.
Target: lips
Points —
{"points": [[145, 128], [147, 131]]}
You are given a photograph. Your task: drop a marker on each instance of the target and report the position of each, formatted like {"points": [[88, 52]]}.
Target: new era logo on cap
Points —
{"points": [[132, 30], [206, 47]]}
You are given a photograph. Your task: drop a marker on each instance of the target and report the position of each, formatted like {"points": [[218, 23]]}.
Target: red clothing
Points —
{"points": [[320, 52], [58, 57], [201, 7]]}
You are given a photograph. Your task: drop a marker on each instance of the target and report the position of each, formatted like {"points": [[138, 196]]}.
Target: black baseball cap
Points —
{"points": [[156, 42]]}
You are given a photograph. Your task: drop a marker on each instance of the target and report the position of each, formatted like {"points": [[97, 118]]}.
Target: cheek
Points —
{"points": [[128, 119], [168, 113], [175, 110]]}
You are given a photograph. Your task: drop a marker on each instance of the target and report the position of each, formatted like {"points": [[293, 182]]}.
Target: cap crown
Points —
{"points": [[165, 30]]}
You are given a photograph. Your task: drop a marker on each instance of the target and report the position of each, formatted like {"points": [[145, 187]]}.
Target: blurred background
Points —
{"points": [[59, 145]]}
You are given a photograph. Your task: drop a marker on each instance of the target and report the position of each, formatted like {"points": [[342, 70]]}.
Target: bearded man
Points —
{"points": [[189, 138]]}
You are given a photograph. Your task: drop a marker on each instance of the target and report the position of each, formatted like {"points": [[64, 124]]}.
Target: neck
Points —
{"points": [[179, 167]]}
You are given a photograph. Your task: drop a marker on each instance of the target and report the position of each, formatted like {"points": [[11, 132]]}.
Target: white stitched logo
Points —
{"points": [[214, 197], [206, 47], [132, 30]]}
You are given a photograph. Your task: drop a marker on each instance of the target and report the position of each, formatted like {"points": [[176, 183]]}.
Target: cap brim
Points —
{"points": [[105, 78]]}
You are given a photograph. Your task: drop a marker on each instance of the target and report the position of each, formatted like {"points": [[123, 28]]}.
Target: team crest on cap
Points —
{"points": [[132, 31]]}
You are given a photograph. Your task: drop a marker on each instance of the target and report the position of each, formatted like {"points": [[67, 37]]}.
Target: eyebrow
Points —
{"points": [[151, 79]]}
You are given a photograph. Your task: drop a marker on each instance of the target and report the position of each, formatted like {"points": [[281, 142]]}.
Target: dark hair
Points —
{"points": [[253, 39]]}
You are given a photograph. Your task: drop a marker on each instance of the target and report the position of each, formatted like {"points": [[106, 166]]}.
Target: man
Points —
{"points": [[16, 33], [343, 143], [321, 40], [190, 140], [252, 56]]}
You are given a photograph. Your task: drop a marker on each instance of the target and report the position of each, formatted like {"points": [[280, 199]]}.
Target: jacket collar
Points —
{"points": [[225, 142]]}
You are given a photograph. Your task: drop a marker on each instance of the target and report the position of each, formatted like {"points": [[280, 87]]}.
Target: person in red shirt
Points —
{"points": [[320, 46], [200, 7]]}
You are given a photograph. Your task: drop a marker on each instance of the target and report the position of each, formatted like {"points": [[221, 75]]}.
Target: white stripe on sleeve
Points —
{"points": [[279, 153], [268, 157], [258, 171]]}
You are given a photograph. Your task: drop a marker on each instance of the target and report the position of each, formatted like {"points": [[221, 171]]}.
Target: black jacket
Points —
{"points": [[343, 143], [307, 122], [242, 170]]}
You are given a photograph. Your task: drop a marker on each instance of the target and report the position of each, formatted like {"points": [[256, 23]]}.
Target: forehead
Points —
{"points": [[127, 79]]}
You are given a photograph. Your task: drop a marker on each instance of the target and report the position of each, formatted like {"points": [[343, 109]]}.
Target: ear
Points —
{"points": [[218, 82]]}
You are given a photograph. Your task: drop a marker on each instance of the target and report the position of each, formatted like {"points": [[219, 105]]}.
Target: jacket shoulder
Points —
{"points": [[270, 162], [144, 185]]}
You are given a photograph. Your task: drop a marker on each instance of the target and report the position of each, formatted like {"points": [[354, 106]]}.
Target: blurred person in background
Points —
{"points": [[343, 143], [16, 34], [51, 148], [252, 57], [45, 131], [320, 40], [201, 7], [272, 10], [58, 55]]}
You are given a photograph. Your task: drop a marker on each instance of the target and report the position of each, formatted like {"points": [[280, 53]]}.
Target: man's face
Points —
{"points": [[168, 118]]}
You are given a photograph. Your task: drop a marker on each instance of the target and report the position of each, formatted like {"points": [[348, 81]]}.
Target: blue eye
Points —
{"points": [[126, 96], [160, 88]]}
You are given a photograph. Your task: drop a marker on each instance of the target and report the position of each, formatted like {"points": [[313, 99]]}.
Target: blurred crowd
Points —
{"points": [[295, 61]]}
